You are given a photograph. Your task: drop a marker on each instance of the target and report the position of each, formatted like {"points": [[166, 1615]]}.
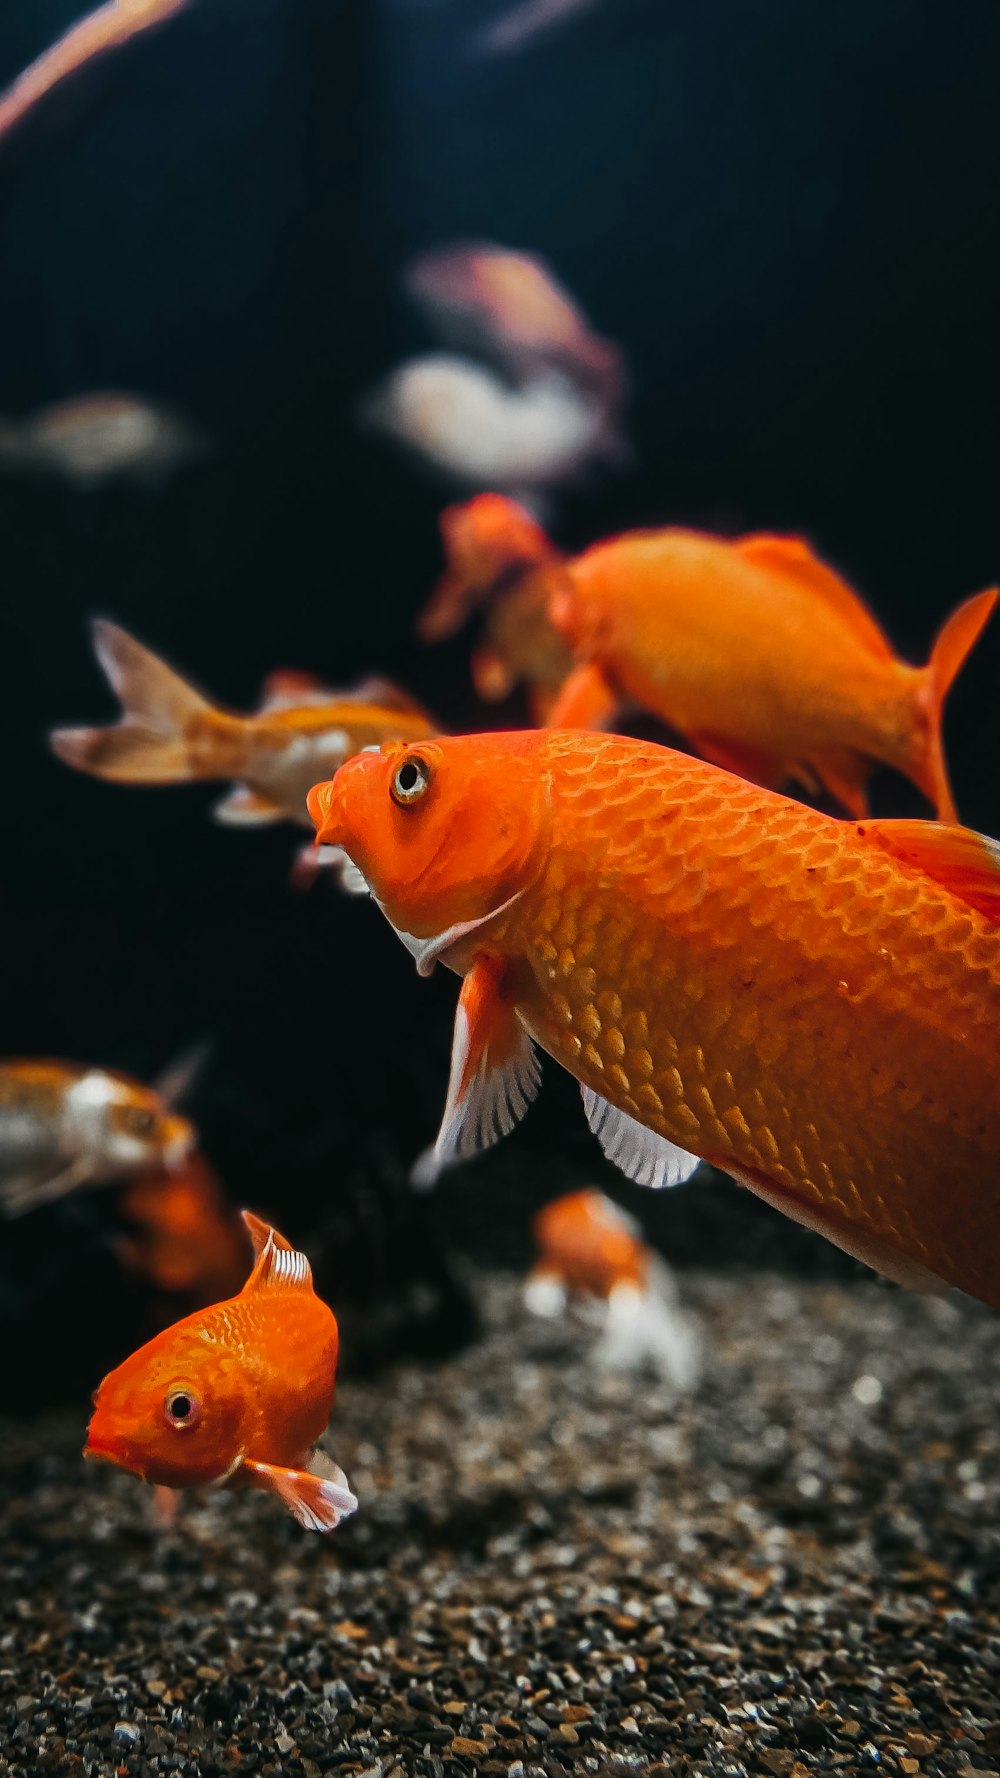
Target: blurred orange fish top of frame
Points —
{"points": [[170, 734], [761, 656], [809, 1004], [586, 1243], [101, 30], [235, 1395], [185, 1238], [497, 559]]}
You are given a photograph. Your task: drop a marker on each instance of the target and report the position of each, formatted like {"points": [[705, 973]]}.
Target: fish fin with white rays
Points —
{"points": [[277, 1263], [495, 1071], [640, 1153], [318, 1502], [245, 807], [645, 1328], [28, 1191]]}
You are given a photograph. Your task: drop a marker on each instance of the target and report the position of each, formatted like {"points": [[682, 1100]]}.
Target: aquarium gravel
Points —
{"points": [[553, 1569]]}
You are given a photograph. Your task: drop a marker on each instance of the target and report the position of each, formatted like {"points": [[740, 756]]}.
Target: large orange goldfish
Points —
{"points": [[105, 28], [498, 557], [809, 1004], [760, 655], [235, 1395], [171, 734]]}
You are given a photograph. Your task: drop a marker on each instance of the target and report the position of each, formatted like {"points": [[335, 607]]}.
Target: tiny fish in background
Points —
{"points": [[509, 307], [65, 1124], [98, 439], [588, 1247], [90, 37], [184, 1237], [811, 1005], [761, 656], [170, 734], [236, 1395], [471, 429], [497, 557]]}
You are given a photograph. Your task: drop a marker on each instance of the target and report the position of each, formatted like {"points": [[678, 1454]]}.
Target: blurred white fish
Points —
{"points": [[474, 431], [97, 438], [509, 307], [101, 30], [527, 19]]}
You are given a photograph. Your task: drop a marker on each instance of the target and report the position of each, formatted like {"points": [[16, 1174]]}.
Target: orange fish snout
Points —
{"points": [[319, 804]]}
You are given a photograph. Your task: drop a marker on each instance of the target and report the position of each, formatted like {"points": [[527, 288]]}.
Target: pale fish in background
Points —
{"points": [[588, 1247], [98, 439], [67, 1124], [508, 306], [101, 30], [521, 23], [472, 430]]}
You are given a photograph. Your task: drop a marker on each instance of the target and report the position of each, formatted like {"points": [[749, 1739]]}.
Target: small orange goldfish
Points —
{"points": [[101, 30], [809, 1004], [66, 1124], [761, 656], [235, 1395], [497, 556], [171, 734], [588, 1246], [184, 1237]]}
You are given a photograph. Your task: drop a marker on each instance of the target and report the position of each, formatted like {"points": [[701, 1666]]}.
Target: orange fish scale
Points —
{"points": [[759, 983]]}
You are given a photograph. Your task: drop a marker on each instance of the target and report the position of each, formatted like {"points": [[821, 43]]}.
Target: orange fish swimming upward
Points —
{"points": [[587, 1246], [498, 557], [760, 655], [184, 1237], [809, 1004], [236, 1395], [104, 29]]}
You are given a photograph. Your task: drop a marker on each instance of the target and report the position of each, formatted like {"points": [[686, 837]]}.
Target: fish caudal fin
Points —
{"points": [[646, 1329], [318, 1502], [955, 642], [149, 744]]}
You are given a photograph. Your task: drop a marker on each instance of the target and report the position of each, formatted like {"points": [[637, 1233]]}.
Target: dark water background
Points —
{"points": [[788, 216]]}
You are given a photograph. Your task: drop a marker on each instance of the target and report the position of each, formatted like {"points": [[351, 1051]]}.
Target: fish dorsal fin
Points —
{"points": [[965, 862], [278, 1263], [792, 558]]}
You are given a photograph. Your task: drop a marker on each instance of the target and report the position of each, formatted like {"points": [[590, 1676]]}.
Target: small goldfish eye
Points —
{"points": [[181, 1409], [410, 780], [140, 1121]]}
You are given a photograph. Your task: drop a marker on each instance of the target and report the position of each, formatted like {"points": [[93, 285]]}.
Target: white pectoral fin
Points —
{"points": [[641, 1154], [495, 1072], [26, 1192], [318, 1502]]}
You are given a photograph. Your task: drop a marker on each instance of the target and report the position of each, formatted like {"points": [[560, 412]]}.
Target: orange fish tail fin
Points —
{"points": [[954, 643], [159, 710]]}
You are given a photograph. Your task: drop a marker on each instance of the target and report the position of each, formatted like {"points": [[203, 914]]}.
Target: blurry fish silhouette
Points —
{"points": [[98, 438], [588, 1246], [761, 655], [101, 30], [65, 1124], [527, 19], [170, 734], [497, 557], [473, 430], [236, 1395], [809, 1004], [184, 1236], [497, 303]]}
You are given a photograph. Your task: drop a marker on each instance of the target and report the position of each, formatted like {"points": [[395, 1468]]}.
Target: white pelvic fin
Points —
{"points": [[481, 1106], [645, 1329], [641, 1154], [316, 1502]]}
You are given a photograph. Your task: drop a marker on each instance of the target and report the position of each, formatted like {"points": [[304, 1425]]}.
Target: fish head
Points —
{"points": [[486, 541], [127, 1126], [446, 832], [175, 1413]]}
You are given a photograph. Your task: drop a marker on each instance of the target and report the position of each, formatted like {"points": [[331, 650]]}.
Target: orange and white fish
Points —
{"points": [[587, 1246], [236, 1395], [66, 1124], [809, 1004], [170, 734], [497, 557], [761, 656], [97, 439], [101, 30], [184, 1237]]}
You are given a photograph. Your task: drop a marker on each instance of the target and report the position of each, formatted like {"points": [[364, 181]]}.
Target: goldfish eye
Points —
{"points": [[181, 1409], [410, 780], [140, 1121]]}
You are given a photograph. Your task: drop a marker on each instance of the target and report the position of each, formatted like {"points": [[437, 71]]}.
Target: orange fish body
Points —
{"points": [[171, 734], [760, 655], [810, 1005], [184, 1237], [585, 1243], [498, 558], [234, 1395]]}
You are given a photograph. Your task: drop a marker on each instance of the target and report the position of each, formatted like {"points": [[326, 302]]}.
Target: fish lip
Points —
{"points": [[96, 1452]]}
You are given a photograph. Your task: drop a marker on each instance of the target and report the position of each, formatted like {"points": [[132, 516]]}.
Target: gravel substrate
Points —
{"points": [[553, 1569]]}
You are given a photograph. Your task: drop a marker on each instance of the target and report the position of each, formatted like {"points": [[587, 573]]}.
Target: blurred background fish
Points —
{"points": [[101, 30], [519, 24], [183, 1236], [98, 439]]}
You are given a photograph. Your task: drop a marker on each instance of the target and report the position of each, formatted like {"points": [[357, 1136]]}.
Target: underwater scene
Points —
{"points": [[499, 1088]]}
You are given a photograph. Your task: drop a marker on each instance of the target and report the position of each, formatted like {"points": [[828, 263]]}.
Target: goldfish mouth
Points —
{"points": [[95, 1452], [319, 804]]}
